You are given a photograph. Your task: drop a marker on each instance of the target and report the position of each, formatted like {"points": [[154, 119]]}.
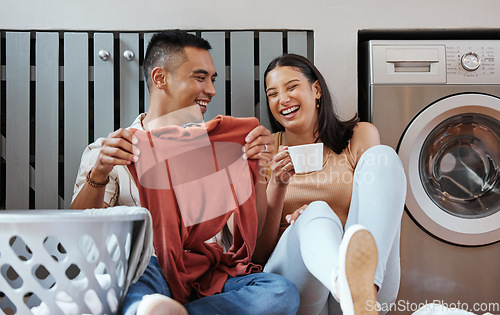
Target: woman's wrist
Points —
{"points": [[279, 180]]}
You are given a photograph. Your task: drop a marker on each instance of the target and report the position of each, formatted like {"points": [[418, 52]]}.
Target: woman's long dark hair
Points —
{"points": [[332, 131]]}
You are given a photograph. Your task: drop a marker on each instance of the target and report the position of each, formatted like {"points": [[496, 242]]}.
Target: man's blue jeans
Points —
{"points": [[258, 293]]}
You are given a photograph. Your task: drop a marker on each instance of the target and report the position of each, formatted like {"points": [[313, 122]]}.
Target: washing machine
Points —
{"points": [[437, 102]]}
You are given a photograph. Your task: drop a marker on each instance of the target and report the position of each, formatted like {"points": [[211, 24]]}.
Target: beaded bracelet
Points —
{"points": [[95, 184]]}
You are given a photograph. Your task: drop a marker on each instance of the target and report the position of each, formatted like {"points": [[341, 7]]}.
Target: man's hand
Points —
{"points": [[117, 149], [259, 145]]}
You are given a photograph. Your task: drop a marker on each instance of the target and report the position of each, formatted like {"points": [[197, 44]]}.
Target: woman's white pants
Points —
{"points": [[307, 252]]}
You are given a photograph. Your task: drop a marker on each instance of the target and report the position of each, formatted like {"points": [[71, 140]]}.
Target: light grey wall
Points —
{"points": [[335, 23]]}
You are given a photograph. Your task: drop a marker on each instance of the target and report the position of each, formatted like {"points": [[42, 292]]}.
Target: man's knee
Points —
{"points": [[281, 298], [151, 281], [287, 296]]}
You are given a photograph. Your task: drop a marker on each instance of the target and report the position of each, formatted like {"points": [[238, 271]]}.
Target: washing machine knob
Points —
{"points": [[470, 61]]}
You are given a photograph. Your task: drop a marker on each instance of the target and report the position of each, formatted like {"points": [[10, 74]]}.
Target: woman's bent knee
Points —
{"points": [[318, 208], [380, 155], [380, 163]]}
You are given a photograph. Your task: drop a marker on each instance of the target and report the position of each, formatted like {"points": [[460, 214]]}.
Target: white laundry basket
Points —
{"points": [[63, 262]]}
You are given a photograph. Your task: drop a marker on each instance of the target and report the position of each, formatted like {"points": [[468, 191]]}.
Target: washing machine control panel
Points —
{"points": [[473, 62], [435, 62], [470, 61]]}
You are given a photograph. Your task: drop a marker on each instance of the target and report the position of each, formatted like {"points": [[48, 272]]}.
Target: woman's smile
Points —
{"points": [[290, 112]]}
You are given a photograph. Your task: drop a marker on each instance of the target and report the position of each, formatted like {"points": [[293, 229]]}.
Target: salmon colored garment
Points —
{"points": [[192, 179]]}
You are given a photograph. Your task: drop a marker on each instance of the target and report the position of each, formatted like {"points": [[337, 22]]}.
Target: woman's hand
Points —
{"points": [[282, 166], [259, 145], [291, 218]]}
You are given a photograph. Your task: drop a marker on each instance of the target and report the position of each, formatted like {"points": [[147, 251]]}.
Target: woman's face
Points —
{"points": [[292, 99]]}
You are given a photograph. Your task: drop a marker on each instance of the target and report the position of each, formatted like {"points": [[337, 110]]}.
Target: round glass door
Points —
{"points": [[460, 165], [451, 155]]}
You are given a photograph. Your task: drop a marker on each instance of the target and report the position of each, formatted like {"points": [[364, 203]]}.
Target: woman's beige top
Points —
{"points": [[332, 184]]}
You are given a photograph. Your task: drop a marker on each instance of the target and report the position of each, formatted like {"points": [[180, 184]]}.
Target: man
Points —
{"points": [[180, 75]]}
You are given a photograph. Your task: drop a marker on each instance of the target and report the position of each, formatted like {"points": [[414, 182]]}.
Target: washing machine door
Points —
{"points": [[451, 155]]}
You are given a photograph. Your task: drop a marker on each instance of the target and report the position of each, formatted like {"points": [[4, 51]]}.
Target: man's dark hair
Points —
{"points": [[166, 49]]}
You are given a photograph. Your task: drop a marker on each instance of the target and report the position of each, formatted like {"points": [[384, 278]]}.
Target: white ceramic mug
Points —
{"points": [[307, 157]]}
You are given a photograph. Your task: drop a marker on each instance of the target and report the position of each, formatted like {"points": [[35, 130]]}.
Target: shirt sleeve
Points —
{"points": [[89, 158]]}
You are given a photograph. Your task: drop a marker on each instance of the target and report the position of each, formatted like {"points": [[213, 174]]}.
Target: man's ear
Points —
{"points": [[158, 77]]}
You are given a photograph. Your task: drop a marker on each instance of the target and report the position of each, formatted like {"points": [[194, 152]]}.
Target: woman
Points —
{"points": [[361, 189]]}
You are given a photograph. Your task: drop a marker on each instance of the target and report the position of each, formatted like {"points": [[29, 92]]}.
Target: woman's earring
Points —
{"points": [[317, 104]]}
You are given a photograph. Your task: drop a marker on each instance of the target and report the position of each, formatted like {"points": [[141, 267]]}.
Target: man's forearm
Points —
{"points": [[90, 196]]}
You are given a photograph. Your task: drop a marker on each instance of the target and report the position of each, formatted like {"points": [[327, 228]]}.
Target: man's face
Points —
{"points": [[192, 83]]}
